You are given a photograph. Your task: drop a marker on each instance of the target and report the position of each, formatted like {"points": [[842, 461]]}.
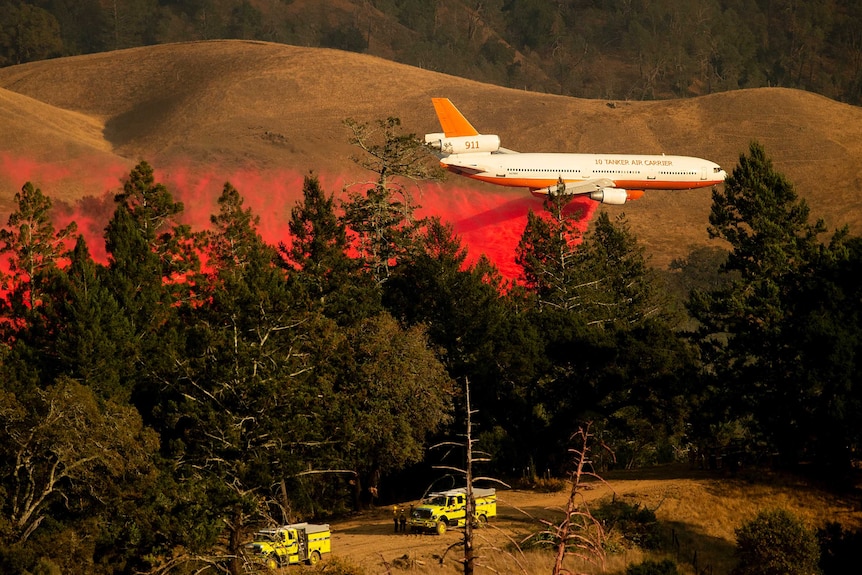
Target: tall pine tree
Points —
{"points": [[750, 330]]}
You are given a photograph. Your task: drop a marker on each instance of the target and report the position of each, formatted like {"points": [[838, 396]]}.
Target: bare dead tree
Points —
{"points": [[472, 456], [579, 533]]}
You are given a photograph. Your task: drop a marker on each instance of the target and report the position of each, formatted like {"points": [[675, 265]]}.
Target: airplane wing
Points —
{"points": [[577, 188], [599, 189]]}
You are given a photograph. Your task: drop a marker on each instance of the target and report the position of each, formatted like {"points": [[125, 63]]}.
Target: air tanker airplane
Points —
{"points": [[606, 178]]}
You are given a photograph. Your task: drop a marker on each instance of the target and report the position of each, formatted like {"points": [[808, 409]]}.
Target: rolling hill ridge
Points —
{"points": [[220, 107]]}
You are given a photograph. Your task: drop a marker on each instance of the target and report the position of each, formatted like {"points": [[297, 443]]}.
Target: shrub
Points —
{"points": [[635, 523], [776, 543], [666, 567]]}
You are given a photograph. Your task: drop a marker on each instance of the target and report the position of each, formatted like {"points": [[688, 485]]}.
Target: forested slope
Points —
{"points": [[614, 50]]}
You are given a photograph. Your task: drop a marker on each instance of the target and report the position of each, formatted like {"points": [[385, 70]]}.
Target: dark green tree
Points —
{"points": [[151, 258], [546, 253], [776, 543], [750, 330], [528, 21], [130, 23], [393, 393], [597, 310], [90, 334], [459, 304], [827, 325], [616, 285], [246, 21], [27, 33], [479, 335], [344, 37], [148, 250], [235, 404], [319, 266]]}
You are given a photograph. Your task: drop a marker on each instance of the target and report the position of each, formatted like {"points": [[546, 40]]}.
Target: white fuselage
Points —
{"points": [[626, 171]]}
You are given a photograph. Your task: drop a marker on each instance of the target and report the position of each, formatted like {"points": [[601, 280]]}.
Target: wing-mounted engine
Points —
{"points": [[480, 143], [613, 196]]}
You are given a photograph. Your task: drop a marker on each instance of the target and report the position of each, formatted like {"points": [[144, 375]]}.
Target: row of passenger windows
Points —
{"points": [[662, 172]]}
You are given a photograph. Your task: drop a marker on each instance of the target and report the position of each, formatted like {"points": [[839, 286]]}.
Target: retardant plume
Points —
{"points": [[489, 222]]}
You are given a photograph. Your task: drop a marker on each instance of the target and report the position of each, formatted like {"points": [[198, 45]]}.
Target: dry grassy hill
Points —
{"points": [[230, 104]]}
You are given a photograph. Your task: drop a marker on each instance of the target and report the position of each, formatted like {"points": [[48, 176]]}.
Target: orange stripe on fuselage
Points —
{"points": [[452, 121], [536, 183]]}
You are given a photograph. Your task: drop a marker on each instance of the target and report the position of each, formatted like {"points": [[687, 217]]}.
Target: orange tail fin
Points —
{"points": [[452, 121]]}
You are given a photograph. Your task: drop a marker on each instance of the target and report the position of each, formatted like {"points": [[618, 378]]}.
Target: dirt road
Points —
{"points": [[370, 540], [699, 511]]}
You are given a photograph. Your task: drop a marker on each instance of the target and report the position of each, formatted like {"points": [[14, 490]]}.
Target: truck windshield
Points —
{"points": [[264, 537], [439, 501]]}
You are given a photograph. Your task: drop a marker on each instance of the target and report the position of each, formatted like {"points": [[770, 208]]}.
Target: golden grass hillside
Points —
{"points": [[228, 104]]}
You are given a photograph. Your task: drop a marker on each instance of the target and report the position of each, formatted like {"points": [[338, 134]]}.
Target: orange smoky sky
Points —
{"points": [[488, 221]]}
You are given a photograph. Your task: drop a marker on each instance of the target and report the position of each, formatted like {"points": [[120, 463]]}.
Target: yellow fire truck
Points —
{"points": [[443, 509], [291, 544]]}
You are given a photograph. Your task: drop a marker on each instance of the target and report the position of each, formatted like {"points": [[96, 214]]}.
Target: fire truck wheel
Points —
{"points": [[483, 519], [441, 527], [314, 559], [272, 564]]}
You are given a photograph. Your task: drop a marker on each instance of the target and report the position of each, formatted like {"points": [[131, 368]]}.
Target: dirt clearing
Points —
{"points": [[698, 512]]}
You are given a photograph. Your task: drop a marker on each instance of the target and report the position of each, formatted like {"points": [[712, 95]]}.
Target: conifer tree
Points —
{"points": [[150, 258], [319, 264], [460, 305], [92, 339], [546, 253], [615, 284], [33, 247], [750, 330], [148, 250], [231, 405]]}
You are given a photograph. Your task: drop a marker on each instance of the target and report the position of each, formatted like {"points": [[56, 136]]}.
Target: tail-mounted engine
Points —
{"points": [[463, 144]]}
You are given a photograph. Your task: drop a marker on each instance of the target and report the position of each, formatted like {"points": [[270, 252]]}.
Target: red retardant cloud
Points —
{"points": [[489, 222]]}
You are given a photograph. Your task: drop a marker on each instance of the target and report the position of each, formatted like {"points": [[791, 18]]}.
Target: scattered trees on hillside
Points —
{"points": [[658, 49], [27, 33]]}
